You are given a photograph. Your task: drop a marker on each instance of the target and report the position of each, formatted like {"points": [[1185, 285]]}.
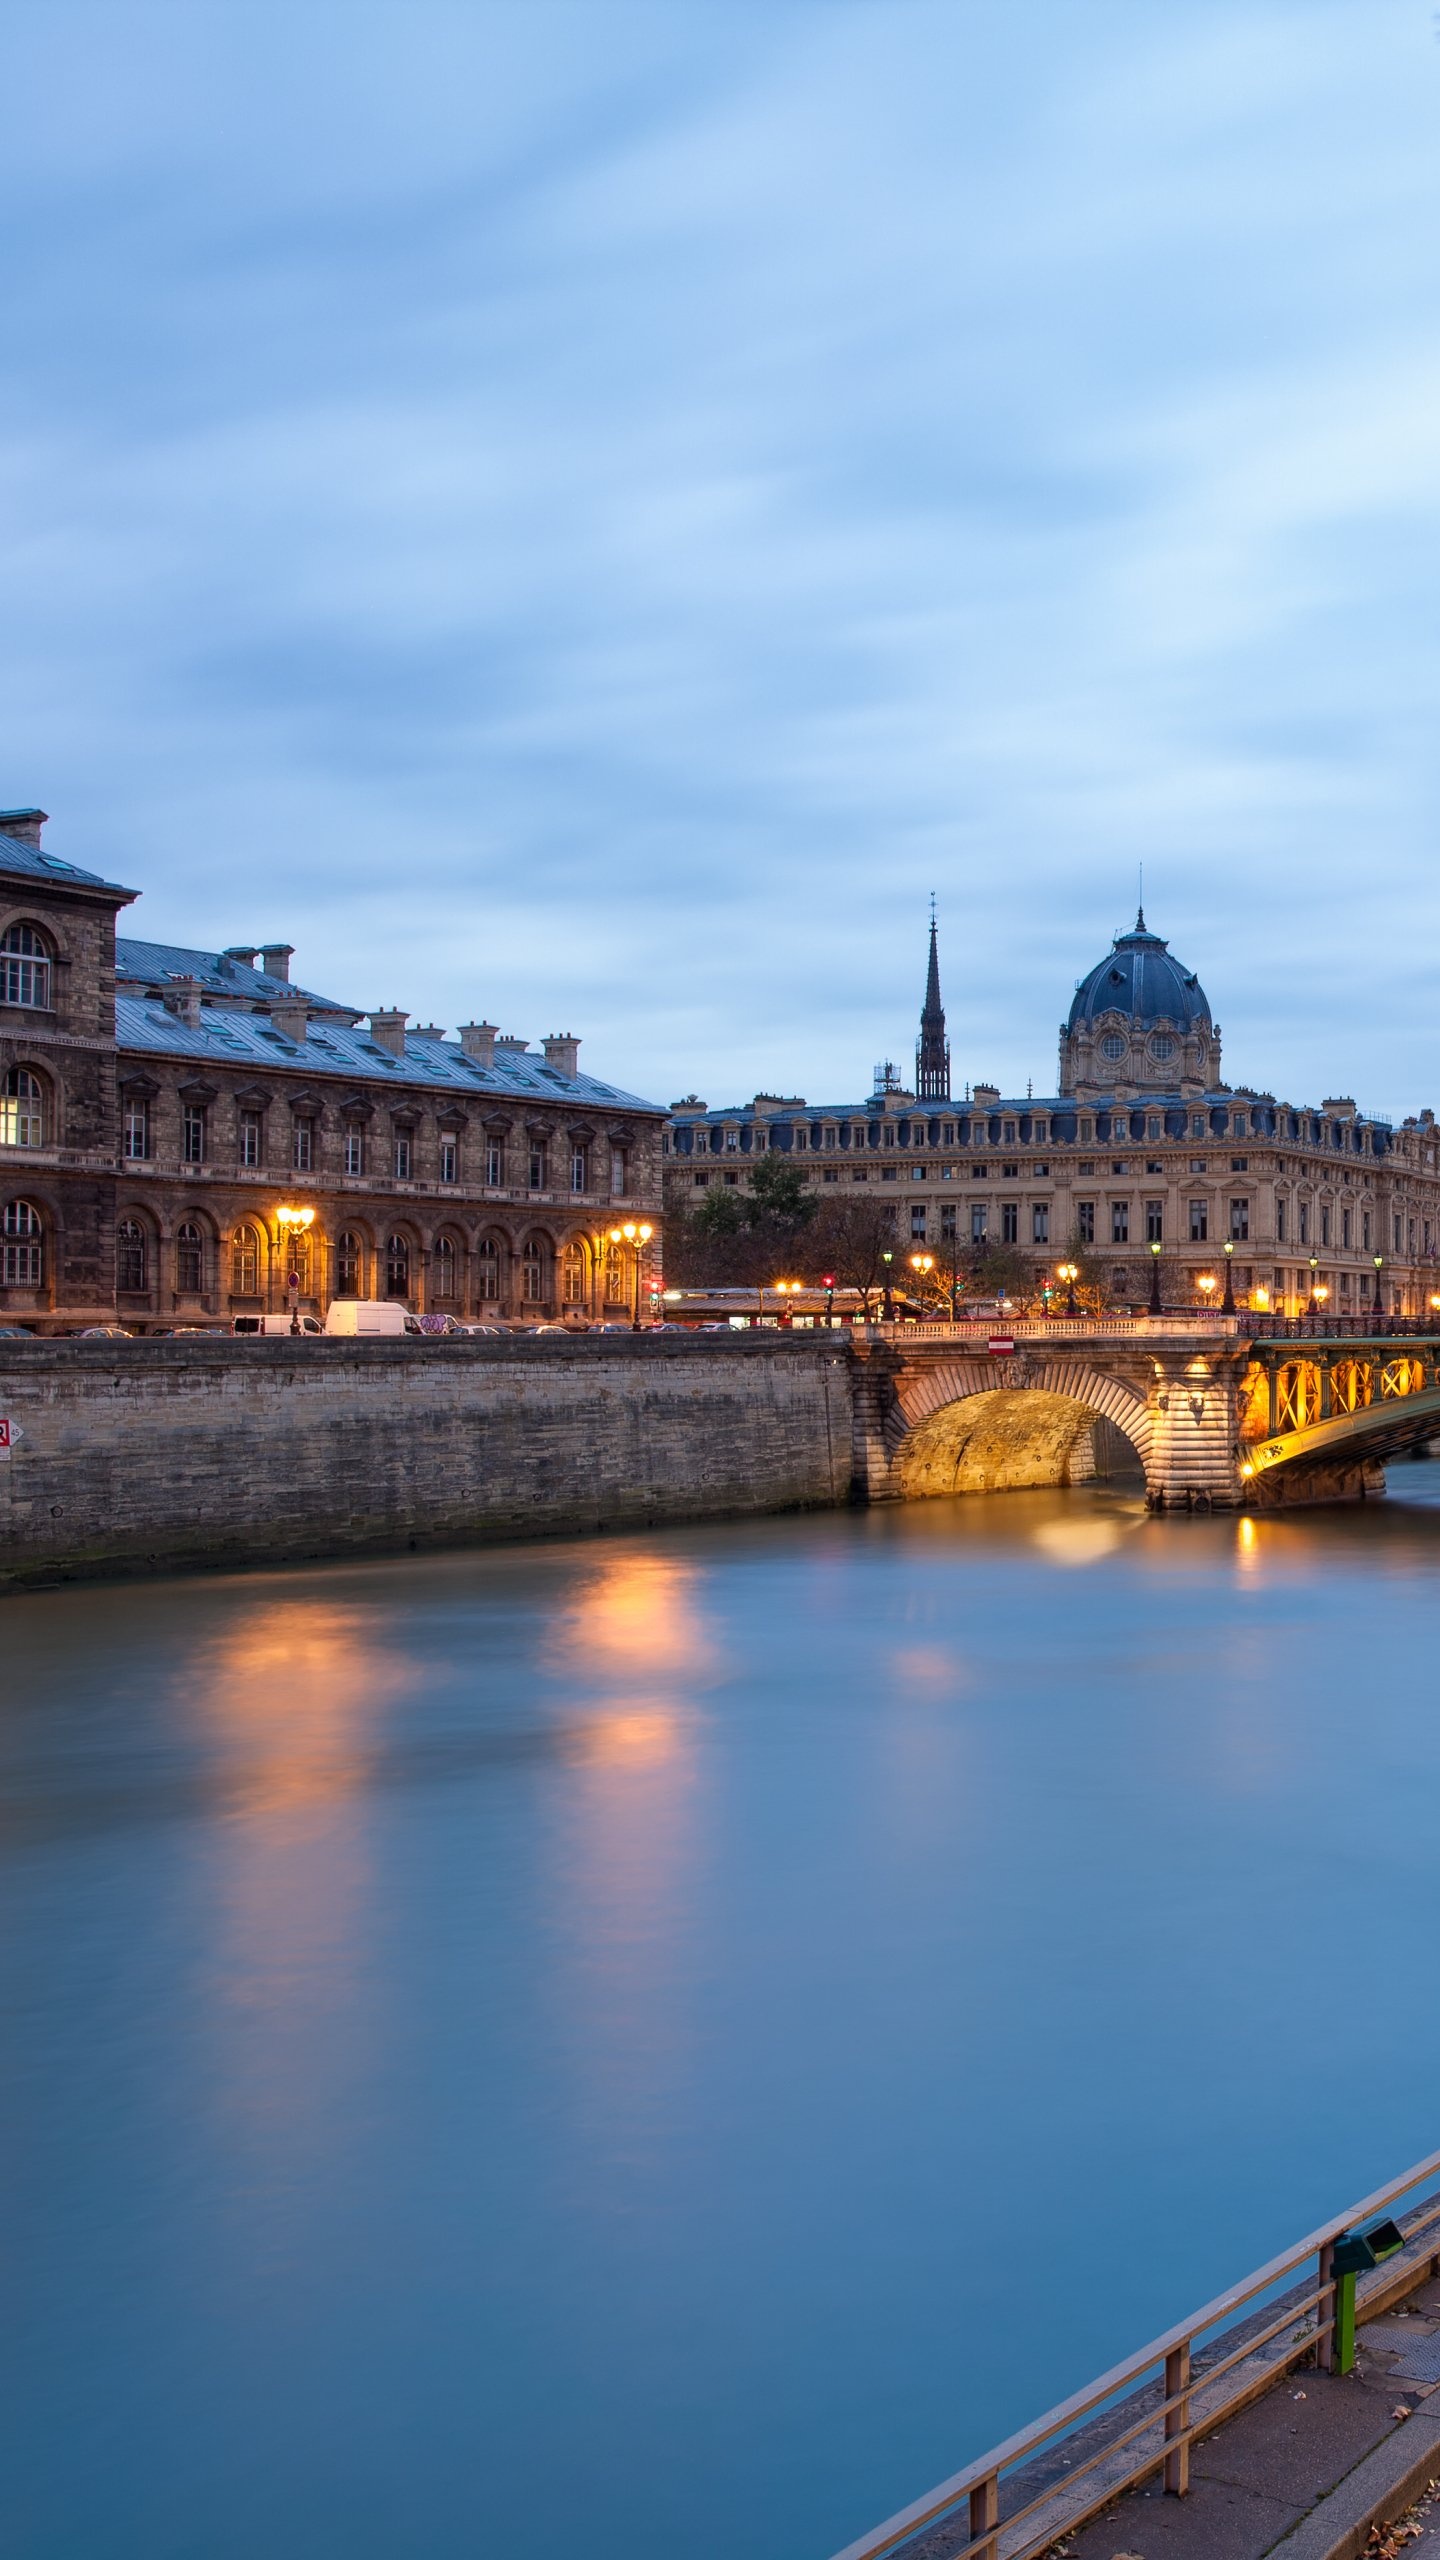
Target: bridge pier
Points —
{"points": [[1191, 1464]]}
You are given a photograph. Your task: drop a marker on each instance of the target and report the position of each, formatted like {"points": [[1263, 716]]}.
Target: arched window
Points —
{"points": [[245, 1263], [22, 1110], [532, 1272], [297, 1260], [487, 1272], [572, 1276], [397, 1267], [24, 966], [131, 1260], [189, 1259], [349, 1265], [614, 1276], [443, 1268], [22, 1246]]}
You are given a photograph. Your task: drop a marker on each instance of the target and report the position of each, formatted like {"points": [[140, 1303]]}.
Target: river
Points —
{"points": [[659, 2047]]}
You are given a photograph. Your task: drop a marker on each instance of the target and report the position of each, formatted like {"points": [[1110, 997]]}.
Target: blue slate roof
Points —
{"points": [[32, 862], [231, 1038], [148, 963], [1140, 978]]}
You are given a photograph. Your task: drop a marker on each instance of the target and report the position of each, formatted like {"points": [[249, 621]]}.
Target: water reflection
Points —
{"points": [[289, 1696]]}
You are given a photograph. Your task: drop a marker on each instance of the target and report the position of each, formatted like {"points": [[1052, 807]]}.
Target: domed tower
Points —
{"points": [[1141, 1021]]}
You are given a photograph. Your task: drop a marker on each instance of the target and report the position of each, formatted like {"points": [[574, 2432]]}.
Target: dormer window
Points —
{"points": [[24, 967]]}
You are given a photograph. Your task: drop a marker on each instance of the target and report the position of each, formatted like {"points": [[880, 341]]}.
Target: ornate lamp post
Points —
{"points": [[1069, 1272], [924, 1264], [293, 1223], [887, 1259], [637, 1238], [1379, 1285], [1227, 1303], [1155, 1306], [1314, 1267], [1205, 1283], [787, 1289]]}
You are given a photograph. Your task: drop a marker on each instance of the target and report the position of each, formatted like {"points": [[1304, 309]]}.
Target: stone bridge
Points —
{"points": [[1216, 1418]]}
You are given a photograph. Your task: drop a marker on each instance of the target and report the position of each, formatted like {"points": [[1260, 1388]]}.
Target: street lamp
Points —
{"points": [[1205, 1283], [637, 1238], [1321, 1294], [1379, 1285], [1069, 1272], [787, 1289], [1314, 1267], [293, 1223], [887, 1259], [1227, 1303], [1155, 1308], [924, 1263]]}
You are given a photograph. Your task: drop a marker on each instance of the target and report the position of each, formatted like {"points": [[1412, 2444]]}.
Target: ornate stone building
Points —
{"points": [[159, 1107], [1142, 1144]]}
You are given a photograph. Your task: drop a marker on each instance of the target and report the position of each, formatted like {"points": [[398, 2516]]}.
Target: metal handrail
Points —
{"points": [[979, 2480], [1057, 1326]]}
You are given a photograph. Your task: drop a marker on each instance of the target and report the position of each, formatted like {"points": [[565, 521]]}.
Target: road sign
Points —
{"points": [[6, 1435], [1000, 1345]]}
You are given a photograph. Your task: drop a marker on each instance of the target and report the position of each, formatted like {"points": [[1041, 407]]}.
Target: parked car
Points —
{"points": [[369, 1318], [105, 1333], [16, 1333], [275, 1324], [482, 1328]]}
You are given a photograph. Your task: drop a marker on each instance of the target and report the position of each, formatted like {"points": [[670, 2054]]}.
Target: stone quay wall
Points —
{"points": [[148, 1456]]}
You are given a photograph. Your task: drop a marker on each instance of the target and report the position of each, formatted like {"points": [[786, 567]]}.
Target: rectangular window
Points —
{"points": [[701, 1180], [1239, 1164], [1119, 1221], [1008, 1133], [303, 1149], [979, 1221], [1324, 1226], [1009, 1173], [1040, 1223], [251, 1137], [1087, 1133], [1086, 1168], [1010, 1222], [1238, 1124], [1239, 1221], [539, 1165], [137, 1129], [1304, 1222], [1345, 1222], [831, 1135], [1085, 1221], [617, 1173], [1199, 1164], [947, 1221], [494, 1163], [947, 1134], [1152, 1128], [1197, 1124], [1154, 1221], [354, 1151], [1279, 1221], [1199, 1222], [1120, 1125], [193, 1134], [1364, 1230], [402, 1155], [917, 1222], [449, 1159]]}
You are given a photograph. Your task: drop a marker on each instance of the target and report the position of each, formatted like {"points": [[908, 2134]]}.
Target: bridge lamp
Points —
{"points": [[1321, 1293], [1434, 1298], [1206, 1283], [1379, 1285], [1260, 1298], [1155, 1280], [1069, 1272], [1227, 1303], [887, 1259]]}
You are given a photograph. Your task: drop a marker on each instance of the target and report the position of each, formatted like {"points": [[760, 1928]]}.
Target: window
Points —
{"points": [[1087, 1132], [1304, 1222], [1364, 1230], [1197, 1124], [947, 1134], [354, 1151], [1119, 1221], [449, 1159], [1239, 1164], [579, 1169], [245, 1263], [1041, 1132], [701, 1180], [1086, 1168], [402, 1155], [1085, 1221], [1279, 1221], [130, 1256], [1324, 1226], [1239, 1221], [917, 1222], [532, 1273], [1119, 1164], [1345, 1224], [1153, 1165], [1152, 1128], [252, 1132], [1040, 1223], [24, 967], [618, 1170], [1238, 1124], [888, 1173], [1009, 1133], [494, 1162], [1009, 1173], [1120, 1125], [1199, 1222], [979, 1220], [349, 1264], [22, 1246], [397, 1267], [302, 1146], [1162, 1046], [1010, 1222], [136, 1130], [917, 1173], [22, 1110], [1199, 1164], [192, 1133], [189, 1260], [572, 1275], [1113, 1045], [539, 1165], [442, 1268], [1154, 1221], [831, 1134], [947, 1222]]}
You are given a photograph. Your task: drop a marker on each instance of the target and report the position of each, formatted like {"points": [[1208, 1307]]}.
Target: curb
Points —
{"points": [[1375, 2492]]}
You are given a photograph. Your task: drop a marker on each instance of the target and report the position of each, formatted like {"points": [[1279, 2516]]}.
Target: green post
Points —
{"points": [[1344, 2351]]}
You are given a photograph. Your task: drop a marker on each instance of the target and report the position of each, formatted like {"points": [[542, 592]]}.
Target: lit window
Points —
{"points": [[245, 1263], [22, 1110]]}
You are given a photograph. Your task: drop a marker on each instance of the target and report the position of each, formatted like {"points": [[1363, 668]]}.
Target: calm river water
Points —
{"points": [[661, 2048]]}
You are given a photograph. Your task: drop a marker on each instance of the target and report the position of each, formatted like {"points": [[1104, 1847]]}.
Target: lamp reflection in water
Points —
{"points": [[634, 1641]]}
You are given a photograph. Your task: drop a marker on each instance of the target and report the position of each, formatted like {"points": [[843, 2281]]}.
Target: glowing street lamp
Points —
{"points": [[1379, 1285], [923, 1264], [1155, 1308], [1227, 1303], [1069, 1272], [637, 1238], [887, 1259], [293, 1223], [787, 1289]]}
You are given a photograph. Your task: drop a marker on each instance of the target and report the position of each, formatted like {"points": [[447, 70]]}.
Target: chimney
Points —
{"points": [[291, 1014], [987, 1095], [23, 824], [387, 1030], [477, 1041], [428, 1031], [182, 998], [511, 1043], [277, 957], [562, 1052], [244, 952]]}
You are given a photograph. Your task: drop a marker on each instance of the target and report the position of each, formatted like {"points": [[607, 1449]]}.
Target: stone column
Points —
{"points": [[1194, 1415]]}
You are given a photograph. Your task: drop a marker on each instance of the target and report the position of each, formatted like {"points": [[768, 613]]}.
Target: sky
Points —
{"points": [[586, 514]]}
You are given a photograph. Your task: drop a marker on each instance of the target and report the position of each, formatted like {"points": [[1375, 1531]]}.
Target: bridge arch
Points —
{"points": [[978, 1426]]}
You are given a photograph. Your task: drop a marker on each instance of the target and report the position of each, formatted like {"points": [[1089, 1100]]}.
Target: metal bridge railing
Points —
{"points": [[1145, 2414]]}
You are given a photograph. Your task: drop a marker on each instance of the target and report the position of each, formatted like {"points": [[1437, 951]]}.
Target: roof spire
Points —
{"points": [[1140, 904], [932, 1055]]}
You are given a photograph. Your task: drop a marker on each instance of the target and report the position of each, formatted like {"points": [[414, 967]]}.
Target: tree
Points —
{"points": [[778, 1195], [850, 1237]]}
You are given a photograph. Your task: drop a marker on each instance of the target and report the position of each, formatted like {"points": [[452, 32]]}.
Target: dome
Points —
{"points": [[1141, 979]]}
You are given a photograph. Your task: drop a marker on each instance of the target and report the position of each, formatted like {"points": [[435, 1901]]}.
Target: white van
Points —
{"points": [[275, 1324], [370, 1316]]}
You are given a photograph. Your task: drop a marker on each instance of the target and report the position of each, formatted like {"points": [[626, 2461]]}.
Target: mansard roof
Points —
{"points": [[219, 972], [333, 1048]]}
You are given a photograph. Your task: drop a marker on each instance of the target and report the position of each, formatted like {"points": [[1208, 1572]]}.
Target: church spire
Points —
{"points": [[932, 1055]]}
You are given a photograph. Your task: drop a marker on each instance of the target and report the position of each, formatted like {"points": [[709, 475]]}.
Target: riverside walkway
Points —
{"points": [[1240, 2435]]}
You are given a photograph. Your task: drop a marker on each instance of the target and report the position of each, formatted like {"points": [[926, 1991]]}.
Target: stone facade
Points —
{"points": [[1142, 1145], [159, 1106]]}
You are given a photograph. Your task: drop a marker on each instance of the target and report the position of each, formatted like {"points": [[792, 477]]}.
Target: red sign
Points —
{"points": [[4, 1435], [1000, 1345]]}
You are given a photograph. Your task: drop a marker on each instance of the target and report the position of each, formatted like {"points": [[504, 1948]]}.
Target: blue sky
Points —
{"points": [[586, 513]]}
